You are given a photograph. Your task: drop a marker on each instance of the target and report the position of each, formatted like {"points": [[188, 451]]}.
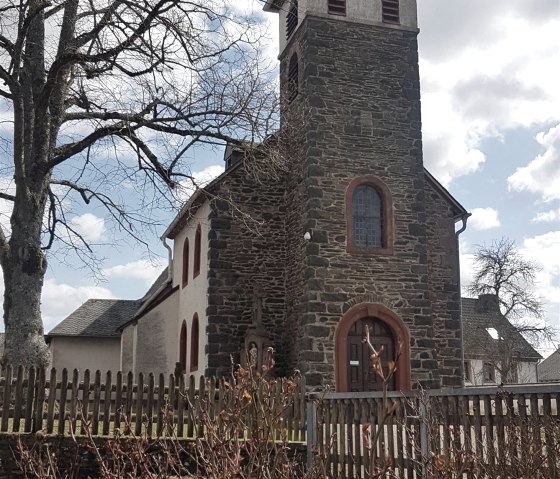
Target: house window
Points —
{"points": [[293, 77], [185, 262], [337, 7], [292, 18], [194, 343], [183, 347], [467, 371], [512, 374], [197, 240], [488, 373], [369, 216], [390, 11]]}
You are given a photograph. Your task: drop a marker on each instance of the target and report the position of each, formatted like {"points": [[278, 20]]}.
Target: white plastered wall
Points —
{"points": [[526, 373], [74, 352], [193, 297]]}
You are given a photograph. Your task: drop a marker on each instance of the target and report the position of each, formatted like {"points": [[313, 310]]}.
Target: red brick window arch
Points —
{"points": [[369, 216], [197, 244], [185, 263], [194, 343], [183, 347]]}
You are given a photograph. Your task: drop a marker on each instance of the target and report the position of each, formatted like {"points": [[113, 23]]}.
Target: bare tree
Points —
{"points": [[502, 272], [104, 99]]}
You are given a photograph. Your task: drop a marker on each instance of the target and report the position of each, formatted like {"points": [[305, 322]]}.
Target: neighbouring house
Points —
{"points": [[549, 369], [349, 232], [495, 351], [88, 338]]}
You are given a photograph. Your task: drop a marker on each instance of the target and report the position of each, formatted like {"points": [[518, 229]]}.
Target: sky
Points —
{"points": [[491, 126]]}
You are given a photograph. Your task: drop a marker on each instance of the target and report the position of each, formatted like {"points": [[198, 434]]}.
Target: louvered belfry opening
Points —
{"points": [[293, 77], [337, 7], [391, 11], [292, 18]]}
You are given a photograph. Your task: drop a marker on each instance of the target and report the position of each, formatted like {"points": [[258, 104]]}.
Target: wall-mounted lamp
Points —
{"points": [[307, 236]]}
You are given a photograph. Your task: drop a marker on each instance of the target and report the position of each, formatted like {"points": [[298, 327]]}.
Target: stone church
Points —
{"points": [[355, 233]]}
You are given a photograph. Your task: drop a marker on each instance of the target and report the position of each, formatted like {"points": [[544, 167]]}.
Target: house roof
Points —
{"points": [[97, 318], [478, 316], [549, 369]]}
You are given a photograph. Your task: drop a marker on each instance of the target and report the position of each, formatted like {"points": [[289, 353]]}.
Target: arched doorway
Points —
{"points": [[360, 374], [354, 371]]}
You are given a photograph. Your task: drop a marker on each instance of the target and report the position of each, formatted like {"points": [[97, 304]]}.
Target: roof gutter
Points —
{"points": [[464, 217]]}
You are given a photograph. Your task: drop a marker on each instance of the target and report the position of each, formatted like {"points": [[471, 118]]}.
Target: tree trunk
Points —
{"points": [[24, 268]]}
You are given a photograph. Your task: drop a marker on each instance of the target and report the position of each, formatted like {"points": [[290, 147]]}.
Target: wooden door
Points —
{"points": [[361, 375]]}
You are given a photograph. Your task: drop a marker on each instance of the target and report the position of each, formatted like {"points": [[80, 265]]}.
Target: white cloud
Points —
{"points": [[59, 300], [544, 251], [484, 219], [89, 226], [484, 70], [550, 216], [148, 271], [542, 175], [199, 180]]}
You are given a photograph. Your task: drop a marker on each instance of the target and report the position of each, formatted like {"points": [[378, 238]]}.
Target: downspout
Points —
{"points": [[464, 219]]}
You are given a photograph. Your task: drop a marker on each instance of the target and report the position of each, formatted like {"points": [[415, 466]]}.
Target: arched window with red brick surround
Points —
{"points": [[369, 216], [183, 347], [197, 245], [194, 343], [185, 274]]}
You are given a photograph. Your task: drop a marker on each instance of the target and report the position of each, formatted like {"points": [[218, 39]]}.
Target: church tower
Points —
{"points": [[357, 222]]}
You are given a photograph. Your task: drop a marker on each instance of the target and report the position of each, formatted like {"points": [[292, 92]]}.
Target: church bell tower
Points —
{"points": [[356, 239]]}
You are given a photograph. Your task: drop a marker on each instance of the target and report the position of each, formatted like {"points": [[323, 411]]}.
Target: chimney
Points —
{"points": [[488, 303]]}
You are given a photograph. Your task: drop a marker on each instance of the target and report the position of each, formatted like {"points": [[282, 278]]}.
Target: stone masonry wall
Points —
{"points": [[246, 258], [443, 261], [362, 95]]}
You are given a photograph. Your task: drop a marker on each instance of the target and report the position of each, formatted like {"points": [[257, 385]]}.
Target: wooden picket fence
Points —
{"points": [[52, 401], [429, 431]]}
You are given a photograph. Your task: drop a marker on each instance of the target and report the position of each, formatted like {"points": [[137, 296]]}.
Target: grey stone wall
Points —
{"points": [[246, 258], [361, 94], [443, 261]]}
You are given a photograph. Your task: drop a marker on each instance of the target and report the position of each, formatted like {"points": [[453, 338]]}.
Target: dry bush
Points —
{"points": [[245, 438]]}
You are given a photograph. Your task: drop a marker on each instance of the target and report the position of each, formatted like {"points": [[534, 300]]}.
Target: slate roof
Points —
{"points": [[97, 318], [477, 341], [549, 369]]}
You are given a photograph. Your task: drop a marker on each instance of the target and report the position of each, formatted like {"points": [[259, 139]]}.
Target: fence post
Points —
{"points": [[311, 417], [424, 437]]}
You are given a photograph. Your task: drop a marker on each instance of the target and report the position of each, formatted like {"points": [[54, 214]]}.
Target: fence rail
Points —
{"points": [[60, 402], [429, 431]]}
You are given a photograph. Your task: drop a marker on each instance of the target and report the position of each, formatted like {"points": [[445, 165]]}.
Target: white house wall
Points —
{"points": [[156, 338], [83, 353], [193, 296], [526, 373]]}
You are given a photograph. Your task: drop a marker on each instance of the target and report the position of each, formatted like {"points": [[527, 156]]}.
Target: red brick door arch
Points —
{"points": [[376, 312]]}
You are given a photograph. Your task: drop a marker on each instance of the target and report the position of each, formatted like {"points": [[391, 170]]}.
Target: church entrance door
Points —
{"points": [[361, 375]]}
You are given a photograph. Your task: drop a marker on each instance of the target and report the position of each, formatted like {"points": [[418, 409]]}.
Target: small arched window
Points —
{"points": [[185, 262], [292, 18], [390, 11], [194, 343], [197, 244], [368, 216], [183, 347], [293, 77]]}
